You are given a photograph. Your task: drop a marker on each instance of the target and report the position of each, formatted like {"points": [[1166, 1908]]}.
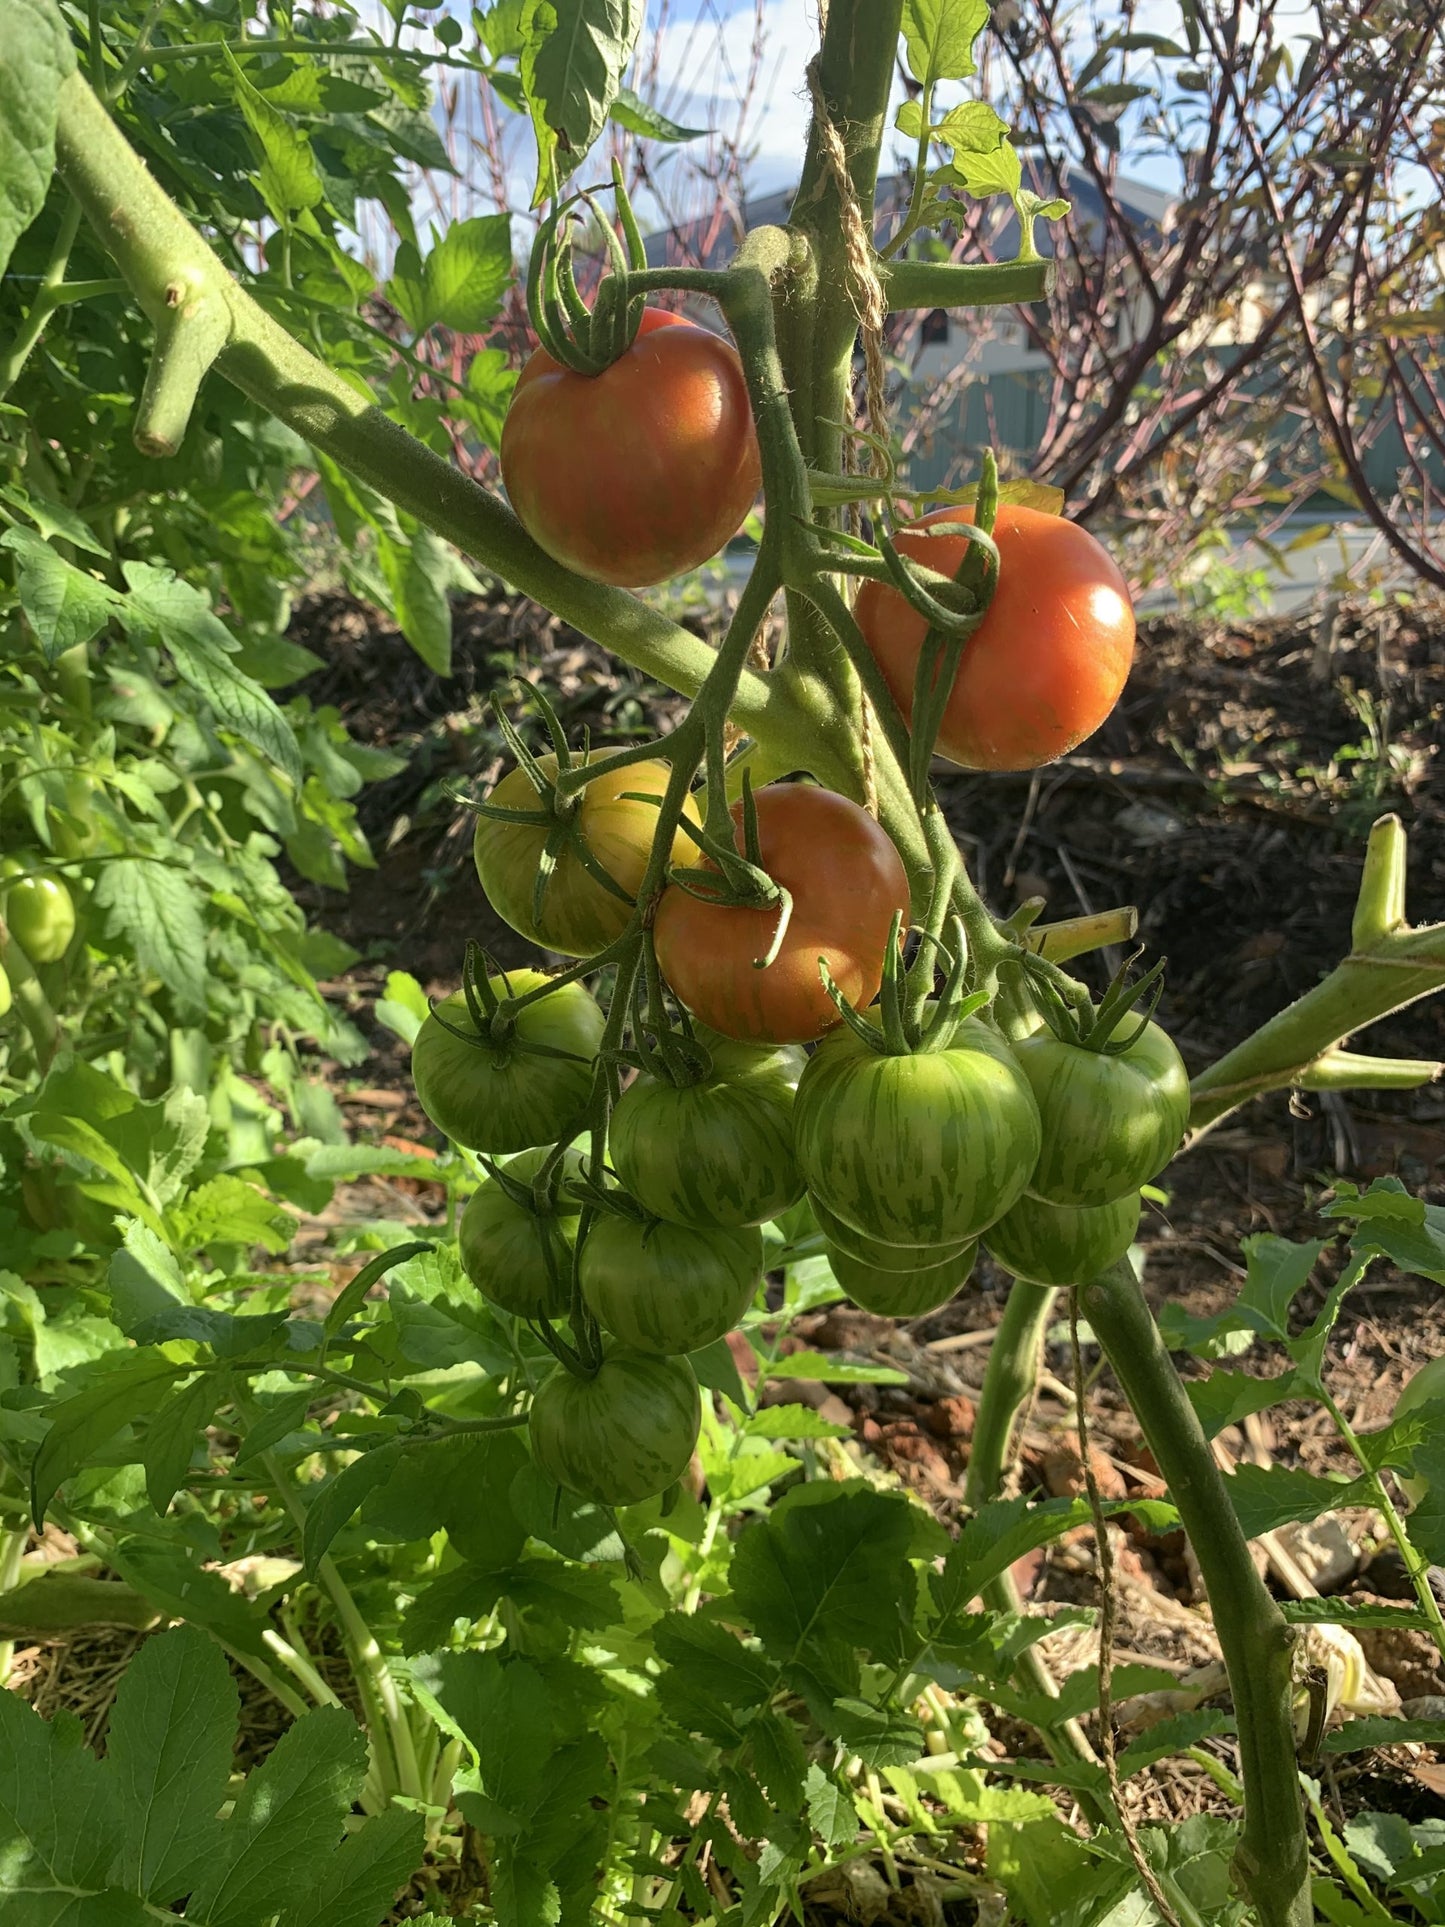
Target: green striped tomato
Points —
{"points": [[1062, 1244], [517, 1258], [621, 1436], [508, 1097], [901, 1294], [1110, 1122], [667, 1288], [920, 1150], [874, 1253], [718, 1152]]}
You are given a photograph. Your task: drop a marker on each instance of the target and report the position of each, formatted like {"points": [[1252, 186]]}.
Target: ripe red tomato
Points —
{"points": [[638, 473], [847, 881], [1050, 658]]}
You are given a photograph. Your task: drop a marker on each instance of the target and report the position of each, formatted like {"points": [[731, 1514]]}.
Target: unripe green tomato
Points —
{"points": [[667, 1288], [39, 911], [5, 998], [717, 1152], [874, 1253], [902, 1294], [621, 1436], [518, 1258], [1062, 1244], [1419, 1389], [1111, 1120], [507, 1097], [917, 1150]]}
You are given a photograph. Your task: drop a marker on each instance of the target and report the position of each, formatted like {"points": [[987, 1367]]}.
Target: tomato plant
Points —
{"points": [[847, 883], [1111, 1119], [39, 910], [638, 473], [717, 1150], [565, 904], [665, 1288], [515, 1085], [922, 1149], [621, 1435], [1423, 1387], [913, 1293], [1051, 656], [516, 1251], [1062, 1244]]}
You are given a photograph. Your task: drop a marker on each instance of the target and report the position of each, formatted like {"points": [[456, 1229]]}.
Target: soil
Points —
{"points": [[1228, 797]]}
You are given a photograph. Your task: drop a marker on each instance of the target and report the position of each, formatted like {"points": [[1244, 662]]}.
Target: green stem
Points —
{"points": [[965, 284], [1273, 1853], [156, 249], [1008, 1384], [46, 300], [31, 1002], [1417, 1567], [1389, 965], [12, 1551]]}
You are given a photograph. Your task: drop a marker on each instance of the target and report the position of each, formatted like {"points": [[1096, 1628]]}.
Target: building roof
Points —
{"points": [[708, 242]]}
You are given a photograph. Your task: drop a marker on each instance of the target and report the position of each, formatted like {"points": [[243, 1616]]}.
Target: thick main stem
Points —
{"points": [[1273, 1852]]}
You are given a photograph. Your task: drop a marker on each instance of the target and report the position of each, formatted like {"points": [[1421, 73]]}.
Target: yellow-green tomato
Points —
{"points": [[1111, 1120], [668, 1288], [5, 997], [39, 911], [526, 1087], [718, 1151], [1062, 1244], [902, 1294], [519, 1255]]}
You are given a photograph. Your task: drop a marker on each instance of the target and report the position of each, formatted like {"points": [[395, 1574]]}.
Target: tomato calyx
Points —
{"points": [[745, 884], [1097, 1027], [895, 1033], [493, 1018], [585, 340]]}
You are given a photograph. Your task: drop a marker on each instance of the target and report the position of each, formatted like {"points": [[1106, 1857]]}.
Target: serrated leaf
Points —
{"points": [[574, 53], [1350, 1612], [639, 116], [1170, 1736], [80, 1425], [1224, 1398], [831, 1812], [59, 1829], [151, 910], [38, 57], [341, 1496], [1356, 1735], [287, 1415], [65, 605], [468, 272], [418, 574], [358, 1884], [291, 1807], [823, 1368], [168, 1755], [288, 178], [1268, 1496], [171, 1437], [939, 37], [54, 520]]}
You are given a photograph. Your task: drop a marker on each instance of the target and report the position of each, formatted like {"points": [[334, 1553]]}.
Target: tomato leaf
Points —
{"points": [[172, 1434], [341, 1497], [639, 116], [168, 1754], [573, 56], [65, 605], [468, 272], [1267, 1496], [38, 57], [939, 37], [135, 1384]]}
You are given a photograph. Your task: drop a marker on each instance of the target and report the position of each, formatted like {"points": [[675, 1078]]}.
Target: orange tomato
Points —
{"points": [[1048, 662], [643, 471], [846, 880]]}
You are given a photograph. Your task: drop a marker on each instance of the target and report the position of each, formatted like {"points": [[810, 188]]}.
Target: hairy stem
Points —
{"points": [[1273, 1853]]}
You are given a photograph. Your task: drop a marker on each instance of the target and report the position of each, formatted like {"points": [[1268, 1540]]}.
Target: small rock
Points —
{"points": [[952, 1417], [1063, 1472], [1429, 1706], [1403, 1654], [1322, 1549], [907, 1446]]}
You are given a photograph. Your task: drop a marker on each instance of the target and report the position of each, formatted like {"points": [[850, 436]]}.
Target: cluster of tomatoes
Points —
{"points": [[906, 1158]]}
